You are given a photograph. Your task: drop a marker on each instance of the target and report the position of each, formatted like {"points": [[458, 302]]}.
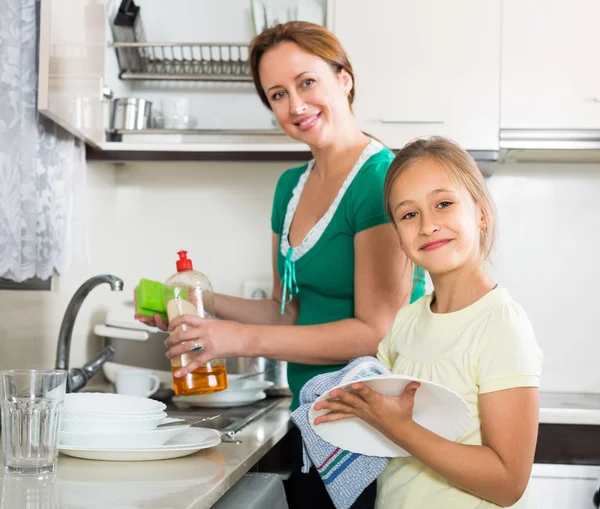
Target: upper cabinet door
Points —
{"points": [[71, 68], [550, 71], [425, 67]]}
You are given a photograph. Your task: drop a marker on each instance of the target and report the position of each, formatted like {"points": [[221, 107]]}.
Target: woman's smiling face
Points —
{"points": [[438, 222], [307, 97]]}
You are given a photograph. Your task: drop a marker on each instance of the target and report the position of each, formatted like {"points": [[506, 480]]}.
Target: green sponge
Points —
{"points": [[149, 301]]}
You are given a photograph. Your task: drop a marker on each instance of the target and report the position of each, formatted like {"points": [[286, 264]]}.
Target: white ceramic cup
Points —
{"points": [[137, 382]]}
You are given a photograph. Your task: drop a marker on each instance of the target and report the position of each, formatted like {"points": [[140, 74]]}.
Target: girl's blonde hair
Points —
{"points": [[312, 38], [461, 168]]}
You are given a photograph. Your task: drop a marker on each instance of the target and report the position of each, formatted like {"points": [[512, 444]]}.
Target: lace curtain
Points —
{"points": [[42, 167]]}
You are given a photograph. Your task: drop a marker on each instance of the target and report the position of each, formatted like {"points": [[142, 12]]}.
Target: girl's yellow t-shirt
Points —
{"points": [[486, 347]]}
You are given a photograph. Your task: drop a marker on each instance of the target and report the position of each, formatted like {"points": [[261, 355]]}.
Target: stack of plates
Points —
{"points": [[124, 428], [238, 393]]}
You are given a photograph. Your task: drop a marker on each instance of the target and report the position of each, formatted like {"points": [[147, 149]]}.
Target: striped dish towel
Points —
{"points": [[345, 474]]}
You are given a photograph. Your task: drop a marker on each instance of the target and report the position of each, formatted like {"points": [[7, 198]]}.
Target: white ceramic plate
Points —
{"points": [[437, 408], [238, 400], [110, 404], [126, 439], [104, 424], [234, 383], [249, 392], [185, 443]]}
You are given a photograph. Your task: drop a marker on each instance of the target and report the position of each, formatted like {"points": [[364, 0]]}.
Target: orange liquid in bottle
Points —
{"points": [[211, 377], [202, 380], [189, 292]]}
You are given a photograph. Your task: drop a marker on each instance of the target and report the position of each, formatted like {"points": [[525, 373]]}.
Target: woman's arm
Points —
{"points": [[382, 285], [497, 471], [259, 311]]}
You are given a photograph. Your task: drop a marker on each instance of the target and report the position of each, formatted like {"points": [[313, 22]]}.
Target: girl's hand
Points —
{"points": [[155, 321], [384, 413], [208, 338]]}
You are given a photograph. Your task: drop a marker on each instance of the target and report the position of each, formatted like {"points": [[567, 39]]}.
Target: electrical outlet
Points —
{"points": [[257, 289]]}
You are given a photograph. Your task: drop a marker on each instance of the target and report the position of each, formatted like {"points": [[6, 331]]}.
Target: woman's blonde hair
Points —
{"points": [[461, 168], [312, 38]]}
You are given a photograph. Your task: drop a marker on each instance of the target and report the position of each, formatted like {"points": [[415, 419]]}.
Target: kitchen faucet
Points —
{"points": [[78, 377]]}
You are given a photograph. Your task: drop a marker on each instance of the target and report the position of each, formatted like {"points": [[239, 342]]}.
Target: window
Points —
{"points": [[29, 284]]}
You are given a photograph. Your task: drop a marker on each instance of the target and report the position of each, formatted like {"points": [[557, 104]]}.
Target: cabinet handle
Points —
{"points": [[391, 120], [106, 94]]}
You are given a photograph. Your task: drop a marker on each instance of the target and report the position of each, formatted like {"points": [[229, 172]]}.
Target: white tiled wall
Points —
{"points": [[547, 257], [142, 214], [218, 212]]}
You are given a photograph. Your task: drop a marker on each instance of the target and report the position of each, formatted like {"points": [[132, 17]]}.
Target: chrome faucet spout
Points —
{"points": [[78, 377]]}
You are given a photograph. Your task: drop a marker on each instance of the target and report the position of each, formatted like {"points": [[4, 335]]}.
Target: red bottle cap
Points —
{"points": [[184, 263]]}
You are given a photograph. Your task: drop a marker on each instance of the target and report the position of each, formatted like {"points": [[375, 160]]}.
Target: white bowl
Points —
{"points": [[110, 404], [119, 439], [88, 416], [252, 390], [243, 384], [106, 425]]}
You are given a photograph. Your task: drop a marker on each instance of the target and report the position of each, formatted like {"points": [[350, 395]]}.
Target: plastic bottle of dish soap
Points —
{"points": [[189, 292]]}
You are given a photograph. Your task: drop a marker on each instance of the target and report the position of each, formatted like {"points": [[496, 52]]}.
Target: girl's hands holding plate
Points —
{"points": [[384, 413]]}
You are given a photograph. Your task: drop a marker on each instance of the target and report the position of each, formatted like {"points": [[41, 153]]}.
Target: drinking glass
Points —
{"points": [[30, 401]]}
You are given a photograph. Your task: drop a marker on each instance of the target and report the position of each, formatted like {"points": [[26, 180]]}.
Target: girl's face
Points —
{"points": [[438, 221], [308, 99]]}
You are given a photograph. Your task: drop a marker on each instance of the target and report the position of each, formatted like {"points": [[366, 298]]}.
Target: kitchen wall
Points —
{"points": [[142, 214], [30, 321], [547, 257]]}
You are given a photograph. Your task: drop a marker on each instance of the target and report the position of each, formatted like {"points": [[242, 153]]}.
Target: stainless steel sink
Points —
{"points": [[231, 420]]}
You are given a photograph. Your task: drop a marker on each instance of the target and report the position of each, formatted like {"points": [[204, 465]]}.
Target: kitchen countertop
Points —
{"points": [[199, 480], [191, 482], [569, 408]]}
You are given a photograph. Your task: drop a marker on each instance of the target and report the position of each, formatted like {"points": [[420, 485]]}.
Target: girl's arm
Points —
{"points": [[382, 285], [497, 471]]}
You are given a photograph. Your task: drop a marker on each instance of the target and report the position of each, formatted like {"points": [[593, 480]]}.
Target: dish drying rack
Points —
{"points": [[184, 61], [141, 60]]}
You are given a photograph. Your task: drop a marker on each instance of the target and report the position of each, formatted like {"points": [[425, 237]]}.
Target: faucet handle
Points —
{"points": [[78, 377], [91, 367]]}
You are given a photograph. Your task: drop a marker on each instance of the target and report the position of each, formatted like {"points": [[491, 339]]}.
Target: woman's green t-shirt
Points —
{"points": [[325, 273]]}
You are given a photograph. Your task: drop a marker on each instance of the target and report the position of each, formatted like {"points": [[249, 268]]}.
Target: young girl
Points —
{"points": [[468, 335]]}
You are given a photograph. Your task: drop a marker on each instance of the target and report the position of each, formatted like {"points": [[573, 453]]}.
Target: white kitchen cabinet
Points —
{"points": [[78, 63], [71, 66], [550, 71], [564, 486], [425, 67]]}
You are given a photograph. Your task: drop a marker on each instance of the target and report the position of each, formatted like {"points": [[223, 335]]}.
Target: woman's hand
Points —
{"points": [[207, 337], [384, 413], [155, 321]]}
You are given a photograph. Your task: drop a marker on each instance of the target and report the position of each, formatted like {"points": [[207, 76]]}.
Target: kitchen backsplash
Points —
{"points": [[142, 214]]}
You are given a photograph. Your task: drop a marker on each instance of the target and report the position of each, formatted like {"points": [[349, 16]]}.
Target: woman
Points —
{"points": [[334, 294]]}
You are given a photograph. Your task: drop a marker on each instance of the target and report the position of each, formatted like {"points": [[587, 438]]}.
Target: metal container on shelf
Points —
{"points": [[130, 113], [273, 371]]}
